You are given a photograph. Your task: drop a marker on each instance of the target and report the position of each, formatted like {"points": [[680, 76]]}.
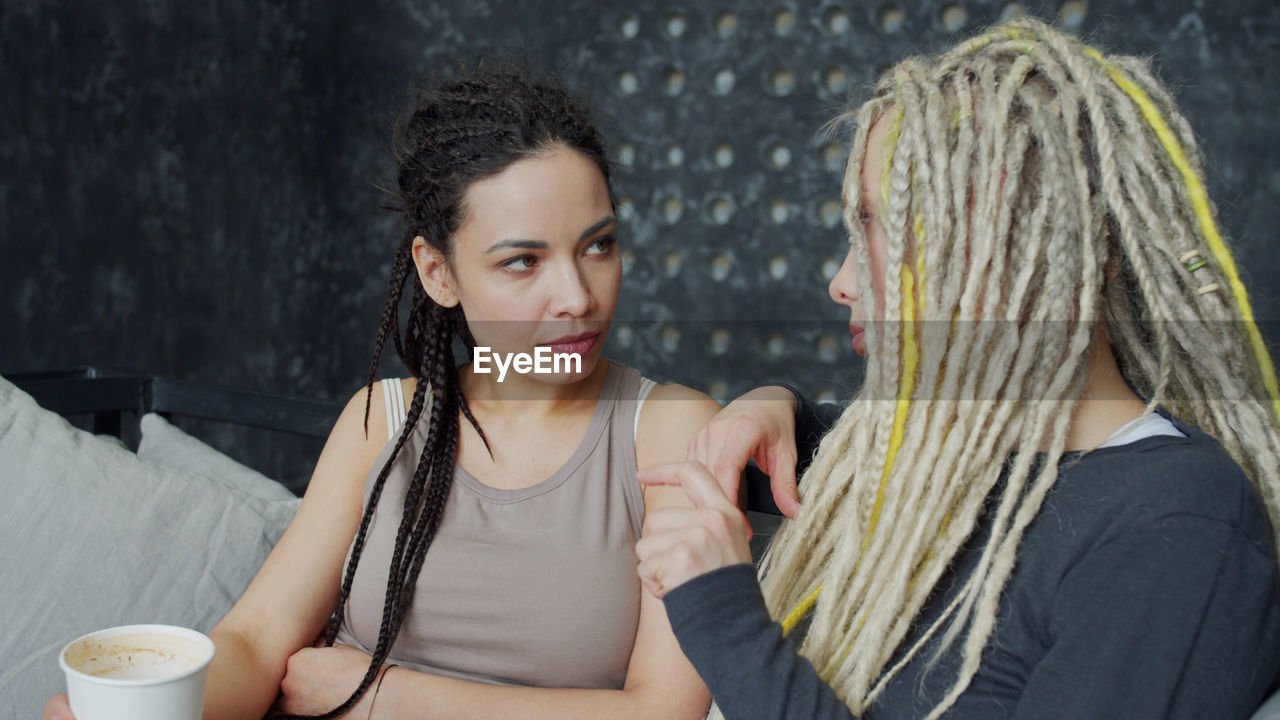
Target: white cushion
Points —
{"points": [[92, 536], [164, 444]]}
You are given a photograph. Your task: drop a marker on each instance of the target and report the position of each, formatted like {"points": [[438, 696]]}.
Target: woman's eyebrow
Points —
{"points": [[514, 243], [596, 227]]}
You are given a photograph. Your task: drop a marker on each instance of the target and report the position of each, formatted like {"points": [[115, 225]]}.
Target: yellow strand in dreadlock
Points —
{"points": [[1200, 203], [910, 357]]}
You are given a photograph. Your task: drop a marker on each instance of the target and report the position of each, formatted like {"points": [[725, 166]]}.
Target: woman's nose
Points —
{"points": [[843, 287], [571, 296]]}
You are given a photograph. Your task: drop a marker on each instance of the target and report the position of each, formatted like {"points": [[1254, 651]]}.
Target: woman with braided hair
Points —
{"points": [[492, 569], [1054, 495]]}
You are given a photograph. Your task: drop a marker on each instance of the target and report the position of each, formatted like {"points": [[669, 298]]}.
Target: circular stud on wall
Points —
{"points": [[830, 213], [835, 79], [722, 154], [890, 18], [777, 155], [673, 81], [952, 17], [626, 209], [675, 25], [784, 21], [835, 20], [670, 338], [629, 26], [1012, 11], [779, 211], [1071, 14], [671, 263], [780, 81], [827, 348], [778, 267], [834, 157], [724, 82], [775, 346], [622, 334], [671, 209], [721, 266], [718, 342], [628, 82], [626, 154], [718, 210], [726, 24], [674, 155]]}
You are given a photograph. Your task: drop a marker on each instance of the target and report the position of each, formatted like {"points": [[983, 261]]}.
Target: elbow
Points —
{"points": [[663, 700]]}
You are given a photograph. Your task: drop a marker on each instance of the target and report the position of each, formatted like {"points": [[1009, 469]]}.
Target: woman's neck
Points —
{"points": [[1106, 404], [485, 394]]}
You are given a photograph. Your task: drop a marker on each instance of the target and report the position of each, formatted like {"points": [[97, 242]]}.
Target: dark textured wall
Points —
{"points": [[188, 188]]}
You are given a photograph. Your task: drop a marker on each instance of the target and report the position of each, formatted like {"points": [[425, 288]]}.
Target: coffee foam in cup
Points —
{"points": [[135, 656]]}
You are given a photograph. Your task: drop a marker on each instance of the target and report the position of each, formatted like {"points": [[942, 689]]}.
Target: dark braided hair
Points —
{"points": [[463, 129]]}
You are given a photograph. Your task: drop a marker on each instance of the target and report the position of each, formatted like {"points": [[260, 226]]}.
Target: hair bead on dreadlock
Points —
{"points": [[460, 130]]}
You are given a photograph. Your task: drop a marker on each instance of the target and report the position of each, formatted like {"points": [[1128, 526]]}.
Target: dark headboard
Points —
{"points": [[111, 402]]}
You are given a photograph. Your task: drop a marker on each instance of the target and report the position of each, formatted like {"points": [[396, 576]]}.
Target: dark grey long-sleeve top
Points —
{"points": [[1145, 588]]}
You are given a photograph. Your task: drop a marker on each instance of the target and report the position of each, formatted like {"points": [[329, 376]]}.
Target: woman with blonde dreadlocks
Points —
{"points": [[1054, 495]]}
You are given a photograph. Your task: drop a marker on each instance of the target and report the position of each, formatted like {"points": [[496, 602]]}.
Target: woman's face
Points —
{"points": [[535, 261], [844, 286]]}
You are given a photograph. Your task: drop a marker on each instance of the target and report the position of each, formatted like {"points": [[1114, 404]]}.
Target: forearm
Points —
{"points": [[754, 673], [409, 694], [240, 684]]}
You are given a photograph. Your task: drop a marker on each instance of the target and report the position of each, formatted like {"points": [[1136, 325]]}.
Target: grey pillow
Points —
{"points": [[93, 536], [164, 444]]}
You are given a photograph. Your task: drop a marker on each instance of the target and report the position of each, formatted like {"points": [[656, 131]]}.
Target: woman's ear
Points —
{"points": [[434, 274]]}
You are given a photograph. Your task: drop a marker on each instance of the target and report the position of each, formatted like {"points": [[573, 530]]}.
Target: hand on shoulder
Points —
{"points": [[669, 419]]}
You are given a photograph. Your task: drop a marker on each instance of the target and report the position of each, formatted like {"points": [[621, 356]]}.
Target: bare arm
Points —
{"points": [[290, 599], [660, 681]]}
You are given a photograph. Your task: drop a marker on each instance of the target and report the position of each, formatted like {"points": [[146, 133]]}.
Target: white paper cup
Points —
{"points": [[137, 672]]}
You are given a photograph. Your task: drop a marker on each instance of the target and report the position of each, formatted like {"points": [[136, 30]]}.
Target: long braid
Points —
{"points": [[1035, 194], [400, 270], [460, 130]]}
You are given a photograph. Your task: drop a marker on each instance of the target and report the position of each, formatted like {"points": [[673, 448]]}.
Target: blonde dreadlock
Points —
{"points": [[1032, 188]]}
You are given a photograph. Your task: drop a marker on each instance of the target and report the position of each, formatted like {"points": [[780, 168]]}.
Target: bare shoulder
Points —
{"points": [[670, 417], [360, 433]]}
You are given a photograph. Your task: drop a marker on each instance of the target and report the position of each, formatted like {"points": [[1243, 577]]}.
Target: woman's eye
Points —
{"points": [[520, 264], [601, 246]]}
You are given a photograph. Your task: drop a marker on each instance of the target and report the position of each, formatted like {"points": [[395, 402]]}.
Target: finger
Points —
{"points": [[695, 527], [659, 542], [698, 484], [730, 459], [698, 446], [782, 481], [648, 573], [668, 519], [57, 708]]}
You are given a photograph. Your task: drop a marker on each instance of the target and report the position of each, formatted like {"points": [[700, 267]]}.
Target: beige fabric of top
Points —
{"points": [[535, 586]]}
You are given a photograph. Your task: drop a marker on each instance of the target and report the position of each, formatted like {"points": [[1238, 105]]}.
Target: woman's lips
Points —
{"points": [[859, 341], [574, 344]]}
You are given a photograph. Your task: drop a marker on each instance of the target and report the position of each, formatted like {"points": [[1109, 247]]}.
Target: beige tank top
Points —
{"points": [[535, 586]]}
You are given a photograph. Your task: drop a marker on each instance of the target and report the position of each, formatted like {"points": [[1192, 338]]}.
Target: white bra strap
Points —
{"points": [[646, 385], [393, 401]]}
